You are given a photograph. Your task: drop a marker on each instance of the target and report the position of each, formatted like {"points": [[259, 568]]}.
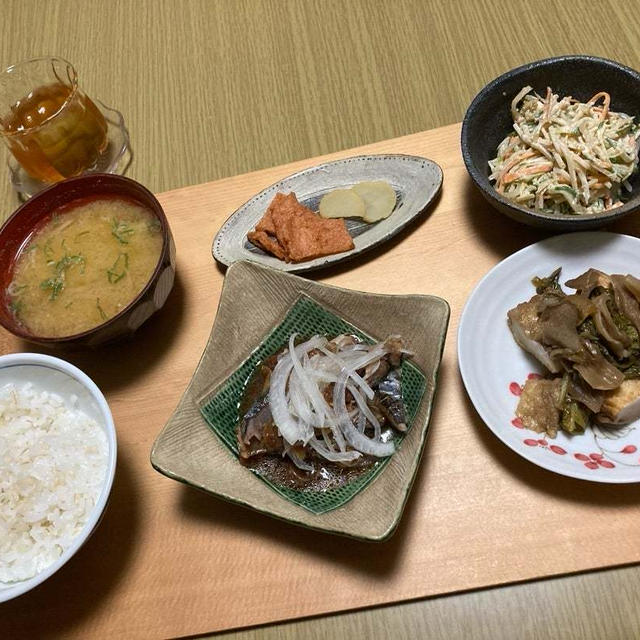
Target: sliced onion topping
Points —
{"points": [[311, 385]]}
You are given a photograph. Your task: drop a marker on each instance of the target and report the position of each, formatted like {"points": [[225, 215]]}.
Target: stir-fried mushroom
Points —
{"points": [[588, 281], [626, 293], [525, 325], [589, 342]]}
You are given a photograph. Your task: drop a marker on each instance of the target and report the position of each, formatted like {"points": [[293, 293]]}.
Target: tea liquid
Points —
{"points": [[55, 132]]}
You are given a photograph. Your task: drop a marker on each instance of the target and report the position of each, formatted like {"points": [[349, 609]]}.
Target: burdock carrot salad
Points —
{"points": [[565, 156]]}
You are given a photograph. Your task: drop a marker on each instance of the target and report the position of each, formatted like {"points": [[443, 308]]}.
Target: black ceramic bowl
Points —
{"points": [[17, 230], [488, 121]]}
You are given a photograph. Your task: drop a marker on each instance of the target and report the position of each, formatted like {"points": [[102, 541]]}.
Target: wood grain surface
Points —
{"points": [[214, 88], [183, 563]]}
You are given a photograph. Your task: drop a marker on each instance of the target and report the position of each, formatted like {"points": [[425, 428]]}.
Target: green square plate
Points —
{"points": [[188, 450], [306, 318]]}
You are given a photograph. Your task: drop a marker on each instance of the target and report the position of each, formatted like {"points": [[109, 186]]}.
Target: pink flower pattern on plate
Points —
{"points": [[593, 461]]}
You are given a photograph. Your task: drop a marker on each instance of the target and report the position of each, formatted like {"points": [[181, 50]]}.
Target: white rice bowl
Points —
{"points": [[57, 461]]}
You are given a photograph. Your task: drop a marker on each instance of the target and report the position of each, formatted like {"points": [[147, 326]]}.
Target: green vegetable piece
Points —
{"points": [[119, 268], [48, 250], [103, 315], [566, 189], [154, 226], [550, 283], [56, 285], [69, 261], [574, 418], [121, 231], [16, 307]]}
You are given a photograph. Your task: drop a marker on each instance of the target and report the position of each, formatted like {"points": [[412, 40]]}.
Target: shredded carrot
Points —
{"points": [[565, 142], [515, 160], [527, 171], [607, 101]]}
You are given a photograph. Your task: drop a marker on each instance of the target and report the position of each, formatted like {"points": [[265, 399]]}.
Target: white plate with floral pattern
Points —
{"points": [[494, 367]]}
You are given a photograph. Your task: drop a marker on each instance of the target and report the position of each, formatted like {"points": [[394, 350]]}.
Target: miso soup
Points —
{"points": [[85, 265]]}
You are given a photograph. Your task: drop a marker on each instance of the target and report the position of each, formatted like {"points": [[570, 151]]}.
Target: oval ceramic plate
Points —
{"points": [[494, 367], [415, 180]]}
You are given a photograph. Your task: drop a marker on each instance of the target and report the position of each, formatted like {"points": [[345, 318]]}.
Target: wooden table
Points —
{"points": [[215, 88]]}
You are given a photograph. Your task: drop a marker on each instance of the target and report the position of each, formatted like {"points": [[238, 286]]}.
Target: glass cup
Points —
{"points": [[51, 127]]}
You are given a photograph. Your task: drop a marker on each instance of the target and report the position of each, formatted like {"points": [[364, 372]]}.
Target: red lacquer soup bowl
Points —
{"points": [[34, 213]]}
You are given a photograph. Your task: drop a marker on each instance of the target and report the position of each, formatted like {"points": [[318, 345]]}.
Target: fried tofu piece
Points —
{"points": [[306, 235], [294, 233], [264, 235], [268, 243], [266, 223], [537, 406], [622, 405]]}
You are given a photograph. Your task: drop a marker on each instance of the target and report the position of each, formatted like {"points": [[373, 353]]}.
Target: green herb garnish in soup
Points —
{"points": [[85, 265]]}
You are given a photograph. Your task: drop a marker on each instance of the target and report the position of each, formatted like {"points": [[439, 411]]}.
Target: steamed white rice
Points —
{"points": [[53, 461]]}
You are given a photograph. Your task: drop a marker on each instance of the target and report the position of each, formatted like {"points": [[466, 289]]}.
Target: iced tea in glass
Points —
{"points": [[50, 126]]}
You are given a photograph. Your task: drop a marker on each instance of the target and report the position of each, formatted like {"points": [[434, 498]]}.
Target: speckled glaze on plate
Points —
{"points": [[494, 367], [189, 451], [416, 181]]}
